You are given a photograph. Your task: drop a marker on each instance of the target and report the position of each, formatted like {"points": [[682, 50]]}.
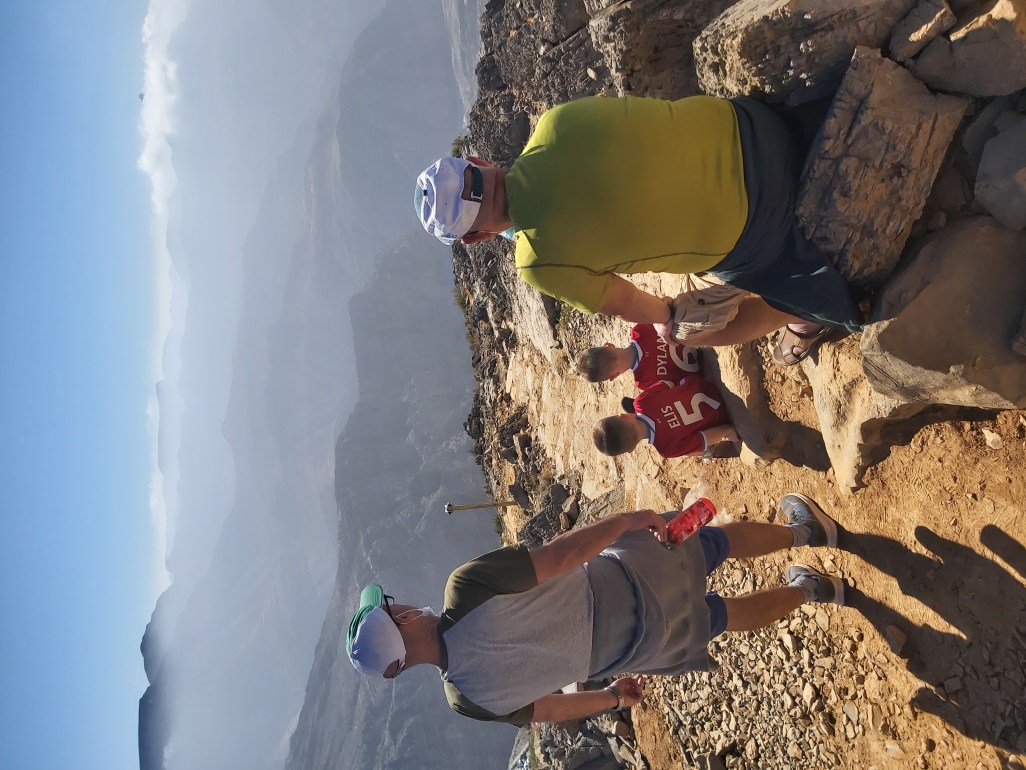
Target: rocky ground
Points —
{"points": [[926, 667]]}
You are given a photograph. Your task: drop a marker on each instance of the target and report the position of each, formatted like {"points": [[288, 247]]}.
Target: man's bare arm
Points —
{"points": [[630, 303], [578, 705], [574, 548]]}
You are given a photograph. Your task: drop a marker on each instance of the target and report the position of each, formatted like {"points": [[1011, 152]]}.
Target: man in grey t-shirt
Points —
{"points": [[519, 624]]}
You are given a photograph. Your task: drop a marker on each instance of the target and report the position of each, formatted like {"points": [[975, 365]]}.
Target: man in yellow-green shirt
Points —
{"points": [[610, 187]]}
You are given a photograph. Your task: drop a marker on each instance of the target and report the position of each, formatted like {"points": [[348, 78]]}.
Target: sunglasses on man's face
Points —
{"points": [[476, 184], [395, 667]]}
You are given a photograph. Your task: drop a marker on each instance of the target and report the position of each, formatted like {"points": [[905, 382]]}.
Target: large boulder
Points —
{"points": [[941, 330], [789, 50], [985, 55], [647, 44], [1001, 177], [870, 172]]}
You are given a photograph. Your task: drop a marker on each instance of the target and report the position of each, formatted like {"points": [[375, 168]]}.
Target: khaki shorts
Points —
{"points": [[705, 304]]}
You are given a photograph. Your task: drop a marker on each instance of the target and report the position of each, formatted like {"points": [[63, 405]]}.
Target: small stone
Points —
{"points": [[851, 711], [822, 620], [893, 750], [953, 684], [993, 439], [725, 746], [751, 750], [592, 74], [790, 642], [808, 694], [896, 638], [875, 716]]}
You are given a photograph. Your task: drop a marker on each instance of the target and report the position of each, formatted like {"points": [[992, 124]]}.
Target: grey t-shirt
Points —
{"points": [[510, 640]]}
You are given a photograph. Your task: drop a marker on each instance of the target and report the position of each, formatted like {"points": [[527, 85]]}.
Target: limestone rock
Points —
{"points": [[983, 56], [745, 400], [869, 175], [1001, 178], [789, 50], [982, 128], [853, 418], [647, 44], [941, 328], [927, 20]]}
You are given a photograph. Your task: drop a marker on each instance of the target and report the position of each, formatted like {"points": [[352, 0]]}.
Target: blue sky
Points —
{"points": [[77, 571]]}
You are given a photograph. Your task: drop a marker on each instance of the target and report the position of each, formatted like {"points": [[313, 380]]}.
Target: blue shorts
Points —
{"points": [[715, 547]]}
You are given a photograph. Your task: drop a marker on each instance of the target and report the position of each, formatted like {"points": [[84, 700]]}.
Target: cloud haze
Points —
{"points": [[156, 126]]}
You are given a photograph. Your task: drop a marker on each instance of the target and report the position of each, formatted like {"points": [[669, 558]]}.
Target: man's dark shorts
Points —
{"points": [[772, 258]]}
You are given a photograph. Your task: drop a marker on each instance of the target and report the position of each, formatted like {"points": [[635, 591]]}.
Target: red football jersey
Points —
{"points": [[676, 414], [655, 360]]}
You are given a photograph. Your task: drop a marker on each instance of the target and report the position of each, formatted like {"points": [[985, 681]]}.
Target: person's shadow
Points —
{"points": [[975, 678], [763, 432]]}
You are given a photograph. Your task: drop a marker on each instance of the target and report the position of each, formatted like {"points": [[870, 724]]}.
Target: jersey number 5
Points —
{"points": [[695, 415]]}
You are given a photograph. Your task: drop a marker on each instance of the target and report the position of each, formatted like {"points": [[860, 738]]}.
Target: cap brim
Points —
{"points": [[371, 597]]}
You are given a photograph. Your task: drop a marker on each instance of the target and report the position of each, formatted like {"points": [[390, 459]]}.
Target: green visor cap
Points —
{"points": [[371, 597]]}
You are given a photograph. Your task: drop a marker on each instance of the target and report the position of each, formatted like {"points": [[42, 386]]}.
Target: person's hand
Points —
{"points": [[646, 519], [665, 330], [631, 690]]}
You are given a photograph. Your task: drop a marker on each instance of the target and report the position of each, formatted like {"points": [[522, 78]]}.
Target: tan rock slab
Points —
{"points": [[869, 175]]}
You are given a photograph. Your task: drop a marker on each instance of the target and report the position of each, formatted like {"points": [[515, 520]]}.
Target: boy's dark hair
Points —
{"points": [[596, 363], [612, 436]]}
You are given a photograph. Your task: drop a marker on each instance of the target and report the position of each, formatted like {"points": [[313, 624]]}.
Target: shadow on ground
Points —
{"points": [[765, 434], [973, 677]]}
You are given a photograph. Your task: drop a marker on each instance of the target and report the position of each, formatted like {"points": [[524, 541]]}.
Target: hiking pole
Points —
{"points": [[449, 507]]}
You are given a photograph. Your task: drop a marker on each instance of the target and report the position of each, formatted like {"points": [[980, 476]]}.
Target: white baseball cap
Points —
{"points": [[374, 642], [438, 199]]}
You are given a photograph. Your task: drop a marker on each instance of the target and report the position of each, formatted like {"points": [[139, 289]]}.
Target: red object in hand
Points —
{"points": [[687, 522]]}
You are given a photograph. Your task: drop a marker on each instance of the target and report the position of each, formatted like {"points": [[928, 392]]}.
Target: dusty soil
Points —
{"points": [[933, 545]]}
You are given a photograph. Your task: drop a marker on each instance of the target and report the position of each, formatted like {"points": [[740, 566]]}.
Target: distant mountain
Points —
{"points": [[228, 654], [402, 456], [226, 679]]}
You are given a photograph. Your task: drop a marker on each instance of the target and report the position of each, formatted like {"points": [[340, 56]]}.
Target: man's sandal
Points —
{"points": [[793, 348]]}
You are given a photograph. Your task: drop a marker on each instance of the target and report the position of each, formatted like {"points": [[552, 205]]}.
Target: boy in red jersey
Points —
{"points": [[686, 419], [651, 358]]}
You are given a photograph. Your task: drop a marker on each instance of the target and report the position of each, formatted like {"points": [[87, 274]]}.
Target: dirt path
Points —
{"points": [[933, 547]]}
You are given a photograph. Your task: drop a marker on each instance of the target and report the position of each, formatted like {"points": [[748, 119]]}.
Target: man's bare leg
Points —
{"points": [[754, 319], [749, 538], [759, 609]]}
